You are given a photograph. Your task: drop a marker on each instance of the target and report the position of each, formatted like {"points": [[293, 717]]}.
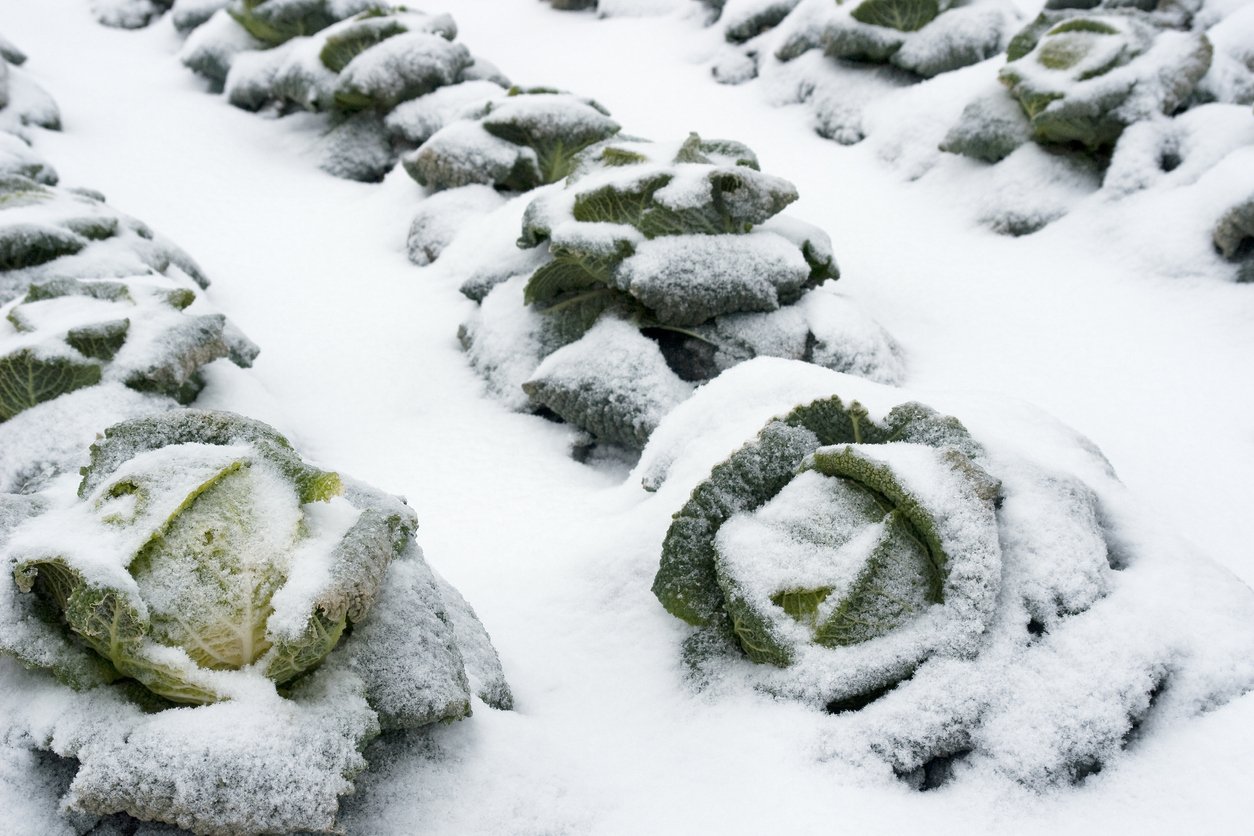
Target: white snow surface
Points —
{"points": [[1116, 319]]}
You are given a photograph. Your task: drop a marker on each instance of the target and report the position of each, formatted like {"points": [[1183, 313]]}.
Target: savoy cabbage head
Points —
{"points": [[1077, 79], [203, 563], [69, 333], [1081, 78], [964, 598]]}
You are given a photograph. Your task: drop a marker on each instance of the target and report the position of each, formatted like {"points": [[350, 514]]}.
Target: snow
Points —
{"points": [[1116, 318]]}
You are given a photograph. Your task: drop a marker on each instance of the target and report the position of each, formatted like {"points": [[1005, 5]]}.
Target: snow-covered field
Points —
{"points": [[1114, 319]]}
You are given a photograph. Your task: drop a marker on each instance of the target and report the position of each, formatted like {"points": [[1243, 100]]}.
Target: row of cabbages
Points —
{"points": [[653, 267], [961, 597], [393, 84], [212, 629], [1121, 95]]}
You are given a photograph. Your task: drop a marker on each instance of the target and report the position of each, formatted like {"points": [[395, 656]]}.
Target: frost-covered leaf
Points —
{"points": [[744, 24], [442, 216], [902, 15], [990, 129], [188, 15], [276, 21], [28, 379], [554, 126], [29, 245], [18, 160]]}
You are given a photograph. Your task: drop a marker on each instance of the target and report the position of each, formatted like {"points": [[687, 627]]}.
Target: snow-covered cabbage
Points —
{"points": [[1125, 96], [1081, 79], [963, 597], [660, 265], [201, 562], [518, 141]]}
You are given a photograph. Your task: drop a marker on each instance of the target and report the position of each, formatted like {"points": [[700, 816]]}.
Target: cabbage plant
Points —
{"points": [[1078, 79], [92, 296], [1082, 78], [975, 597], [657, 266], [203, 563]]}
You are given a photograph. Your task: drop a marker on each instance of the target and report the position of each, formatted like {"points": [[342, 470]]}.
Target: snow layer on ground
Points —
{"points": [[1117, 321]]}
